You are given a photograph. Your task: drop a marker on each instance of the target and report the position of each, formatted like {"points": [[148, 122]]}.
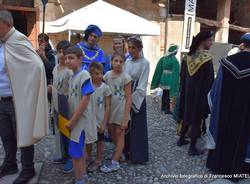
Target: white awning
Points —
{"points": [[108, 17]]}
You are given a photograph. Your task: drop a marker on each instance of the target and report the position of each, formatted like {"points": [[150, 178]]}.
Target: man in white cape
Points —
{"points": [[23, 100]]}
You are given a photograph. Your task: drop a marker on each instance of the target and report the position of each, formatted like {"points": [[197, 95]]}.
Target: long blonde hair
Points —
{"points": [[120, 37]]}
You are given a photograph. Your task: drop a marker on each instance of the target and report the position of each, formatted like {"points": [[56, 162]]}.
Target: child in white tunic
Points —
{"points": [[61, 75], [120, 84], [101, 103], [81, 124]]}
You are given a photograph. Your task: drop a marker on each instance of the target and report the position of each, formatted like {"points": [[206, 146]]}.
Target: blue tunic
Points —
{"points": [[91, 54]]}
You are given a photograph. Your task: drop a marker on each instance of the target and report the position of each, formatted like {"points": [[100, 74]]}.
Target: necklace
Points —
{"points": [[86, 56]]}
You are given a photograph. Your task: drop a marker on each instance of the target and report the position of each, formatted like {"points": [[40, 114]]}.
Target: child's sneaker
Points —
{"points": [[111, 167], [68, 167], [79, 182], [84, 180]]}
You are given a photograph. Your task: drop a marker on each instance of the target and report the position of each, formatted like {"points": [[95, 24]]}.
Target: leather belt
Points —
{"points": [[5, 98]]}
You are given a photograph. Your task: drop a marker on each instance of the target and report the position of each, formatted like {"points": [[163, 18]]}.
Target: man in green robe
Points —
{"points": [[166, 76]]}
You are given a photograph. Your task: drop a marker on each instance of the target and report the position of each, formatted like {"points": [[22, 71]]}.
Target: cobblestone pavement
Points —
{"points": [[168, 163]]}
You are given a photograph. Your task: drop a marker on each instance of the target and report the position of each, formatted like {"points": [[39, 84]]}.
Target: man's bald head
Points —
{"points": [[6, 22]]}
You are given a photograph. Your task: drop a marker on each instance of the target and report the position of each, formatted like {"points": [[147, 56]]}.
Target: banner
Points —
{"points": [[189, 21]]}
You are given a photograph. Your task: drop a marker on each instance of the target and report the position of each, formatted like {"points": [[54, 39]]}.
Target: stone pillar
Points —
{"points": [[223, 16]]}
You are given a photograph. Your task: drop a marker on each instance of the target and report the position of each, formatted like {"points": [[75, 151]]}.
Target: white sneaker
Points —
{"points": [[111, 167]]}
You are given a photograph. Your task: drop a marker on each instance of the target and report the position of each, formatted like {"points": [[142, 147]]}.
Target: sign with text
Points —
{"points": [[44, 2], [189, 21]]}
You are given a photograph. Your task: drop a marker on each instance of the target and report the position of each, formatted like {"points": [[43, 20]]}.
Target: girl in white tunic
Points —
{"points": [[136, 147], [120, 84]]}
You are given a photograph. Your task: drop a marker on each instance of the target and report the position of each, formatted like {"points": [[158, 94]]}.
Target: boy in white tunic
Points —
{"points": [[81, 124], [61, 76], [101, 103], [120, 84]]}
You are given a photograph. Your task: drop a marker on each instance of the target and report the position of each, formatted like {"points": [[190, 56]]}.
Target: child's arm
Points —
{"points": [[80, 109], [128, 104], [106, 113]]}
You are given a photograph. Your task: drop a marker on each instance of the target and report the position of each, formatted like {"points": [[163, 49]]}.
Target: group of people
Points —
{"points": [[102, 93], [101, 96], [226, 98]]}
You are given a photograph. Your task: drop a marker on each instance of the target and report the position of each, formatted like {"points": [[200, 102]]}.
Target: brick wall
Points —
{"points": [[32, 27]]}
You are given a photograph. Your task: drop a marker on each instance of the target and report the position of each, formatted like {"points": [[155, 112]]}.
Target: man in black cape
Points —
{"points": [[229, 130], [197, 76]]}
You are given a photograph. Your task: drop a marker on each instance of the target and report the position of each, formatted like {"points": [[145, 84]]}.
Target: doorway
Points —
{"points": [[20, 21]]}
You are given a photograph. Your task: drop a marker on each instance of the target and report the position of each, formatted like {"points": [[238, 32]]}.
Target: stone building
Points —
{"points": [[228, 18]]}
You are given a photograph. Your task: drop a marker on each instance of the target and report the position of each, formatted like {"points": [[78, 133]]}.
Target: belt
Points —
{"points": [[6, 98], [167, 71]]}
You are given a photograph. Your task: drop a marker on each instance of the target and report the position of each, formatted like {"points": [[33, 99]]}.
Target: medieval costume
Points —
{"points": [[61, 76], [79, 80], [92, 53], [197, 76], [31, 92], [229, 130], [137, 138], [29, 119], [166, 76]]}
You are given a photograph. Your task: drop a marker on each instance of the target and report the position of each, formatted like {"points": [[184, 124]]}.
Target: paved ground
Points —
{"points": [[168, 163]]}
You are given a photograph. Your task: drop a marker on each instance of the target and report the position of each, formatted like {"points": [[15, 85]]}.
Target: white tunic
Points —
{"points": [[60, 84], [139, 72], [118, 100], [98, 101], [87, 120]]}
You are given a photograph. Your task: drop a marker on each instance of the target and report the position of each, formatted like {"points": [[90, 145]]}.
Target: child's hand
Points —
{"points": [[124, 125], [71, 125], [49, 88]]}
